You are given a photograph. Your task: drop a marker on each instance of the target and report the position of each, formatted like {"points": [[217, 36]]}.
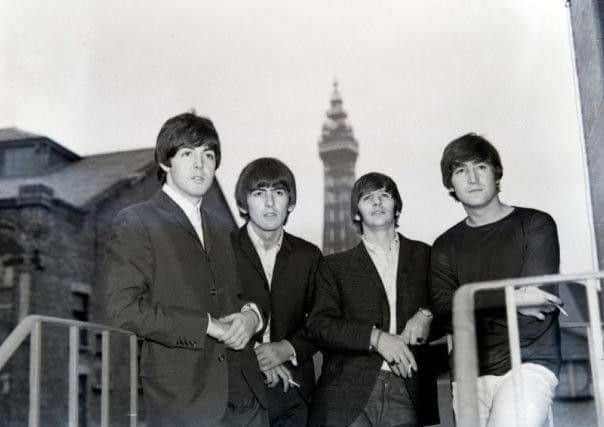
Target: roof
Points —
{"points": [[16, 134], [85, 179]]}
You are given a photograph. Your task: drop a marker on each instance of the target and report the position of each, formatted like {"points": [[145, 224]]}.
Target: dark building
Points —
{"points": [[338, 150], [55, 210]]}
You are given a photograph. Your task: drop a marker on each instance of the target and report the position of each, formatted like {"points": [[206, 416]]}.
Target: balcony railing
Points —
{"points": [[32, 326], [464, 337]]}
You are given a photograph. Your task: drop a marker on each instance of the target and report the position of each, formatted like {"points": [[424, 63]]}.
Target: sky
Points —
{"points": [[104, 76]]}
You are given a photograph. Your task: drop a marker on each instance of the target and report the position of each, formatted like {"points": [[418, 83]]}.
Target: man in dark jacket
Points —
{"points": [[169, 279], [277, 271], [371, 319]]}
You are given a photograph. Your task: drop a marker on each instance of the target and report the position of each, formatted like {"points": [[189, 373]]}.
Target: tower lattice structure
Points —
{"points": [[338, 149]]}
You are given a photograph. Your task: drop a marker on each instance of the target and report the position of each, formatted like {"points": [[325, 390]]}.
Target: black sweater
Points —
{"points": [[524, 243]]}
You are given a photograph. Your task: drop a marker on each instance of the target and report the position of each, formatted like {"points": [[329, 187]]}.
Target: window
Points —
{"points": [[80, 310]]}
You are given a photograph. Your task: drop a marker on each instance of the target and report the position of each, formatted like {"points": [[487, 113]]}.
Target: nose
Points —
{"points": [[269, 199], [198, 160], [472, 176]]}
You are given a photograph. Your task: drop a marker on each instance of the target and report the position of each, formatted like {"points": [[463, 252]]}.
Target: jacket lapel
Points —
{"points": [[281, 260], [403, 292], [365, 266], [175, 213], [247, 247]]}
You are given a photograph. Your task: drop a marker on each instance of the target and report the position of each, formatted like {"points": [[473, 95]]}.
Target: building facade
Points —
{"points": [[338, 149], [55, 212]]}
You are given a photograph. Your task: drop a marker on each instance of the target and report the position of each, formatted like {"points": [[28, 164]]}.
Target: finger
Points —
{"points": [[411, 364], [396, 370]]}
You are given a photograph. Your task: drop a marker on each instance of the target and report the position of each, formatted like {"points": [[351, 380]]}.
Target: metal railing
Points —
{"points": [[465, 343], [32, 326]]}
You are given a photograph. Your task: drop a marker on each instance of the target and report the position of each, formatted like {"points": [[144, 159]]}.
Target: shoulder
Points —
{"points": [[449, 236], [341, 260], [301, 245], [534, 216], [417, 245]]}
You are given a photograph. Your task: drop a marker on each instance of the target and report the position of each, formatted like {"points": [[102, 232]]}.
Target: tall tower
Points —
{"points": [[339, 151]]}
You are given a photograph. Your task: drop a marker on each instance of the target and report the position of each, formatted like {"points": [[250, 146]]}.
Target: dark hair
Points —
{"points": [[185, 130], [466, 148], [368, 183], [264, 172]]}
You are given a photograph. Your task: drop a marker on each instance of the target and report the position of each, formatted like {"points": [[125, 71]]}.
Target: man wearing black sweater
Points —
{"points": [[497, 241]]}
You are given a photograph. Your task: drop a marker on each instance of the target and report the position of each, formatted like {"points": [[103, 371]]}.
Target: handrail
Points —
{"points": [[32, 324], [466, 363]]}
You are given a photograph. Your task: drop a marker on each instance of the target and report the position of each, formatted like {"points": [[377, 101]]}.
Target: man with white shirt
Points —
{"points": [[277, 271], [370, 318], [169, 278]]}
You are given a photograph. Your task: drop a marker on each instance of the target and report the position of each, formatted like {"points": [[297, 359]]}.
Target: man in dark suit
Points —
{"points": [[277, 271], [369, 316], [169, 279]]}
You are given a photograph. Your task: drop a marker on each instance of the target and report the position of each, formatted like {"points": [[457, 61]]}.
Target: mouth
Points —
{"points": [[198, 179], [270, 214], [380, 212]]}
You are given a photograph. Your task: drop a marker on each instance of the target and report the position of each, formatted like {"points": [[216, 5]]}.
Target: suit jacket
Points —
{"points": [[349, 301], [161, 284], [288, 301]]}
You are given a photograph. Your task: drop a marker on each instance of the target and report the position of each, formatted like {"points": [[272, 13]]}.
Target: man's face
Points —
{"points": [[474, 184], [191, 171], [268, 207], [377, 210]]}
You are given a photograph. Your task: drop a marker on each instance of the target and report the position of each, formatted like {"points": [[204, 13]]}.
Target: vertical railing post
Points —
{"points": [[465, 358], [595, 347], [133, 380], [35, 366], [74, 349], [105, 379], [514, 343]]}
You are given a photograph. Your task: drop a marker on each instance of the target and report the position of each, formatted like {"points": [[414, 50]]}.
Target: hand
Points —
{"points": [[394, 351], [532, 301], [216, 328], [277, 373], [417, 329], [272, 354], [241, 328]]}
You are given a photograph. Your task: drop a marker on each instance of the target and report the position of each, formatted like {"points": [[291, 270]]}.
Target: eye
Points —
{"points": [[257, 193], [385, 196], [458, 171], [210, 155], [185, 153], [280, 192], [482, 166]]}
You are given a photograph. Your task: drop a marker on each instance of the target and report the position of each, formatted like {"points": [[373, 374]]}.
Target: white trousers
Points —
{"points": [[496, 397]]}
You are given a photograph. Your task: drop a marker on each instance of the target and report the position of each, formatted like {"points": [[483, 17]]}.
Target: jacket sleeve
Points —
{"points": [[300, 340], [327, 325], [128, 275]]}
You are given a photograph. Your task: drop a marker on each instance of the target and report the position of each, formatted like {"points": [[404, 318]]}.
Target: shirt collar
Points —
{"points": [[258, 242], [184, 203], [374, 247]]}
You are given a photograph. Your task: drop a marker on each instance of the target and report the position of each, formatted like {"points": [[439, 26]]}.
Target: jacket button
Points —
{"points": [[221, 358], [213, 292]]}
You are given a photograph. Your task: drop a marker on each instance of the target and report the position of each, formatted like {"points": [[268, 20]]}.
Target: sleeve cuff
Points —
{"points": [[250, 306]]}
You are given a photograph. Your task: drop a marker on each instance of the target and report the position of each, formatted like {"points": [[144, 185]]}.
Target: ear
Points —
{"points": [[290, 208], [243, 211], [357, 217], [451, 190], [164, 167], [397, 214]]}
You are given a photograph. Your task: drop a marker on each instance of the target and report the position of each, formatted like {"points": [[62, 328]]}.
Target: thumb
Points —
{"points": [[228, 318]]}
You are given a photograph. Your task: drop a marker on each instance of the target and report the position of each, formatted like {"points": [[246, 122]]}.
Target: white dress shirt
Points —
{"points": [[267, 259], [193, 213], [386, 264]]}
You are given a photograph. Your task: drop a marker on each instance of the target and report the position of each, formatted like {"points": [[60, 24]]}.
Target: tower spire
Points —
{"points": [[338, 149]]}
